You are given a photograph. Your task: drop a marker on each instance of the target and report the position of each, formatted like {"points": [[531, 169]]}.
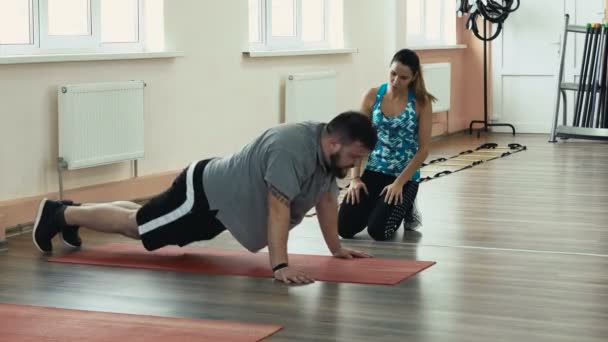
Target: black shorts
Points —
{"points": [[179, 215]]}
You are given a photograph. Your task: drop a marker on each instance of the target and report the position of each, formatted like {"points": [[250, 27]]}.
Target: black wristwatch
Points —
{"points": [[279, 266]]}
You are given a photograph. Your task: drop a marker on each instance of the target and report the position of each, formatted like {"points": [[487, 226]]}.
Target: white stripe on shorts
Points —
{"points": [[178, 213]]}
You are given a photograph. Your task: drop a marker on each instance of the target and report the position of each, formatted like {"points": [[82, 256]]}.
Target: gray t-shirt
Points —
{"points": [[290, 158]]}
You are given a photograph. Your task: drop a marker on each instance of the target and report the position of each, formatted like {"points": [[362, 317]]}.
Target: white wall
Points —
{"points": [[208, 103]]}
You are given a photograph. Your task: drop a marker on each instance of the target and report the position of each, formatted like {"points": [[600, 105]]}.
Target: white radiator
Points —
{"points": [[101, 123], [438, 80], [311, 96]]}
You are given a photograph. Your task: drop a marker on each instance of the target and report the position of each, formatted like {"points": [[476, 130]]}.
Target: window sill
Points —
{"points": [[438, 47], [303, 52], [78, 57]]}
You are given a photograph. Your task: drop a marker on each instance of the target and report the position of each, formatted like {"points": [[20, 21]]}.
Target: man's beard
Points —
{"points": [[336, 171]]}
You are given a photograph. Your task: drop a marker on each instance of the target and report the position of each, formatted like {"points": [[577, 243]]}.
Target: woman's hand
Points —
{"points": [[393, 193], [354, 191]]}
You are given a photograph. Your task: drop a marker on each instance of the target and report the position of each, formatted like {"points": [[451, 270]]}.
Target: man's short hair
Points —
{"points": [[351, 126]]}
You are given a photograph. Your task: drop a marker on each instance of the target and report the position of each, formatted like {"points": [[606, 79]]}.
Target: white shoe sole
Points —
{"points": [[68, 244], [39, 215]]}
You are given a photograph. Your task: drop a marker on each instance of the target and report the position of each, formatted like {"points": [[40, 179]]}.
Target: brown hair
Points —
{"points": [[410, 58]]}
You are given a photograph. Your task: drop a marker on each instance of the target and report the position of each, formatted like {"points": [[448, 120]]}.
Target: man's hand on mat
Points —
{"points": [[393, 193], [345, 253], [354, 191], [291, 275]]}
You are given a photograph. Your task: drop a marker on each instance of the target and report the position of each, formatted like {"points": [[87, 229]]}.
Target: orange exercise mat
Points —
{"points": [[24, 323], [232, 262]]}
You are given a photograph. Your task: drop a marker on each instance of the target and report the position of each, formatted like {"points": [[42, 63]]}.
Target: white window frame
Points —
{"points": [[269, 42], [138, 46], [48, 42], [259, 44], [422, 40], [32, 47], [43, 43]]}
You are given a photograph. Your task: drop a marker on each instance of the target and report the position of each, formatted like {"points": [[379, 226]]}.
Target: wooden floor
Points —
{"points": [[521, 245]]}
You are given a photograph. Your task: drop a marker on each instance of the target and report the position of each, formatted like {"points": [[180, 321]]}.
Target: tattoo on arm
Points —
{"points": [[278, 195]]}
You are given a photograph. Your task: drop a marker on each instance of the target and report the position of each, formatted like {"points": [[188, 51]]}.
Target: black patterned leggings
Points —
{"points": [[381, 219]]}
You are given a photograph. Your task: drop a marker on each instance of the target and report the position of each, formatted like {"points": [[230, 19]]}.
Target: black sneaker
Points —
{"points": [[46, 226], [69, 234]]}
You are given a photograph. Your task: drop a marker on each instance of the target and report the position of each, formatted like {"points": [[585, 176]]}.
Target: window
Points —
{"points": [[431, 22], [294, 24], [66, 26], [16, 22]]}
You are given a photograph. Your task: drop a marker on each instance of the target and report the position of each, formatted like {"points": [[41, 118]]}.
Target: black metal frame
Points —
{"points": [[485, 122]]}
